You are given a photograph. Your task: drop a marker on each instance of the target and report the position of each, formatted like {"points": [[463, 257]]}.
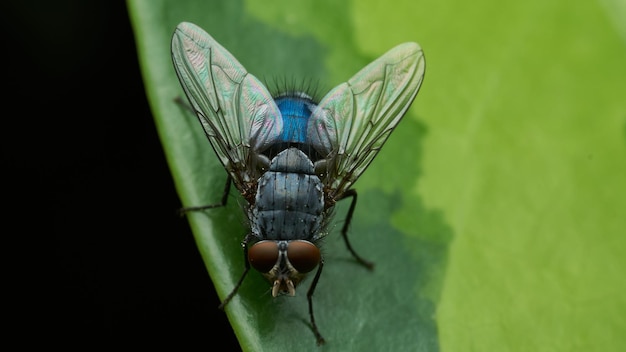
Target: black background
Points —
{"points": [[89, 191]]}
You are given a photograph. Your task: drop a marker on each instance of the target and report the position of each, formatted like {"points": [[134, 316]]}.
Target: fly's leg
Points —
{"points": [[244, 244], [232, 293], [222, 202], [309, 296], [182, 211], [344, 231], [178, 100]]}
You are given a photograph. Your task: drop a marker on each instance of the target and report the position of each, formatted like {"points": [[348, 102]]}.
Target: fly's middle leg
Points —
{"points": [[182, 211], [344, 231]]}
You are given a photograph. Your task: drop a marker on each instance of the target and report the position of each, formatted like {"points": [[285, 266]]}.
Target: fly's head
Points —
{"points": [[284, 263]]}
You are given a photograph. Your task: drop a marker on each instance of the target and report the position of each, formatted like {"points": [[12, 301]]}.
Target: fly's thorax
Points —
{"points": [[284, 263], [289, 202], [295, 109]]}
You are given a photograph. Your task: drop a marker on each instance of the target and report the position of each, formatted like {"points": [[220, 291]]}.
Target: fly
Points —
{"points": [[292, 158]]}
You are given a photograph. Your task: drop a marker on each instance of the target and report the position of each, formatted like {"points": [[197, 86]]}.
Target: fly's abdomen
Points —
{"points": [[289, 199]]}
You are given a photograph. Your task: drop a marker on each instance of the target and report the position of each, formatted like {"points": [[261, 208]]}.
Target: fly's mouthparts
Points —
{"points": [[283, 286]]}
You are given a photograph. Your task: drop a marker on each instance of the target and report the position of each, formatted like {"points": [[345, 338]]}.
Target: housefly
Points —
{"points": [[291, 157]]}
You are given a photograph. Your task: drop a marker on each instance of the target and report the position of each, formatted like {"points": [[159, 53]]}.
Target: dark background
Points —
{"points": [[88, 188]]}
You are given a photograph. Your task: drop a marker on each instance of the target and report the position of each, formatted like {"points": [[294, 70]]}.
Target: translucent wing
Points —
{"points": [[354, 120], [236, 111]]}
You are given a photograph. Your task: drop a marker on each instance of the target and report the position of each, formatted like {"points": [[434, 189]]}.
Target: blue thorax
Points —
{"points": [[295, 109]]}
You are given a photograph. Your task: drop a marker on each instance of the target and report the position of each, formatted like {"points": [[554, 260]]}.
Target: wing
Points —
{"points": [[353, 121], [236, 111]]}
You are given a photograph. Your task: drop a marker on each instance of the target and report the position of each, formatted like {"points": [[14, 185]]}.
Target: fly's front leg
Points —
{"points": [[344, 231], [232, 293], [222, 203], [244, 243], [309, 296]]}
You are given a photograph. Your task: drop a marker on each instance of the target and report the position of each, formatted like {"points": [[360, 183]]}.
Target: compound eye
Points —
{"points": [[303, 255], [263, 255]]}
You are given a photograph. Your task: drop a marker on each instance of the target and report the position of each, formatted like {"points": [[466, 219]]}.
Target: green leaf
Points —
{"points": [[496, 211]]}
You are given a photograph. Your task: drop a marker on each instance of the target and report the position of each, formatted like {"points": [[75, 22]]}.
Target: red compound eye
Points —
{"points": [[263, 255], [303, 255]]}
